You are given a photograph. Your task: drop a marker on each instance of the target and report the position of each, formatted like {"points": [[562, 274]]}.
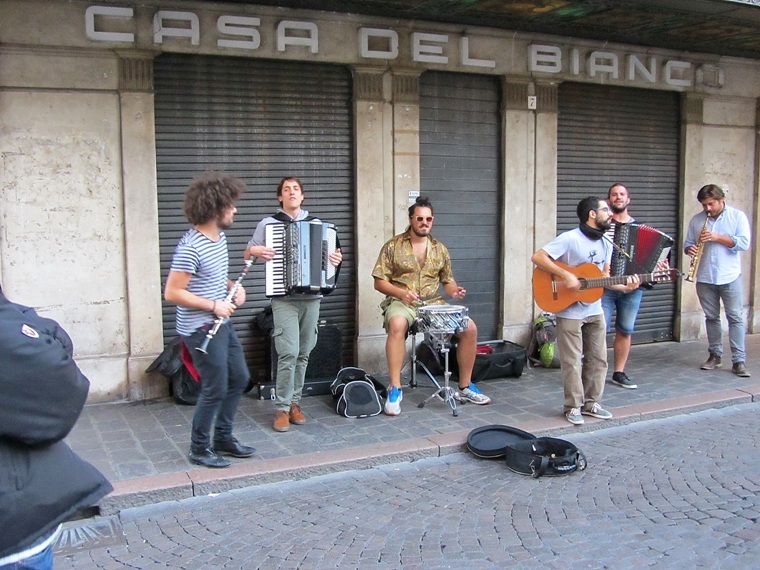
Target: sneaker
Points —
{"points": [[574, 416], [281, 421], [622, 380], [393, 403], [712, 362], [597, 411], [296, 415], [740, 370], [472, 394]]}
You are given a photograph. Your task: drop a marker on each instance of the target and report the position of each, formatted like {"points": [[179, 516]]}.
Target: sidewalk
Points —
{"points": [[142, 447]]}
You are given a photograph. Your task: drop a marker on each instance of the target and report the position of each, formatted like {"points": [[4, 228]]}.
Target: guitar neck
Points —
{"points": [[587, 283]]}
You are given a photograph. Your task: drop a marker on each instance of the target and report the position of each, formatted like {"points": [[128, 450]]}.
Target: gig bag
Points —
{"points": [[544, 456], [357, 394]]}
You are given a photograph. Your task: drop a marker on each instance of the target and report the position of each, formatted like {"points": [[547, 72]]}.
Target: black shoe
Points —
{"points": [[622, 380], [234, 448], [208, 458]]}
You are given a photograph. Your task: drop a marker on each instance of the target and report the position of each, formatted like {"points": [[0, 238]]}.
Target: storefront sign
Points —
{"points": [[244, 32]]}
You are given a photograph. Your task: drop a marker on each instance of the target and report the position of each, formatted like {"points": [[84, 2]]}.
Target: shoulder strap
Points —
{"points": [[283, 217]]}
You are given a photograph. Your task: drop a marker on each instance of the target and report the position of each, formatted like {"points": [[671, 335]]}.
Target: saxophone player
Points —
{"points": [[721, 233]]}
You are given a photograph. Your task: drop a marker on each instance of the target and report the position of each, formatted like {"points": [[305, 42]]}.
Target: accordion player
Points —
{"points": [[638, 249], [301, 263]]}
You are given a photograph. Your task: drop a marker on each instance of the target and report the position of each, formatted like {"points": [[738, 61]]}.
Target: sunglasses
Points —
{"points": [[424, 219]]}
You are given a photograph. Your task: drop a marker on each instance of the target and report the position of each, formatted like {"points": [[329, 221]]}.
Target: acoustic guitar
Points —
{"points": [[552, 296]]}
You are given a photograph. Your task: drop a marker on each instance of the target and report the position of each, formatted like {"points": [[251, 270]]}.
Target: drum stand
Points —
{"points": [[439, 340]]}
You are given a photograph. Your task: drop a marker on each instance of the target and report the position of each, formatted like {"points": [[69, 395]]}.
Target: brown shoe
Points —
{"points": [[711, 363], [281, 421], [740, 370], [296, 415]]}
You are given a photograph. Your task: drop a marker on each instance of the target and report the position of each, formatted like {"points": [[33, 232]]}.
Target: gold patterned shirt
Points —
{"points": [[398, 265]]}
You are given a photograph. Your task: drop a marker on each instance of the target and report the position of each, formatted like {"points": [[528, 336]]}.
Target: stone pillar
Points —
{"points": [[518, 136], [406, 144], [754, 250], [689, 318], [141, 224], [374, 183]]}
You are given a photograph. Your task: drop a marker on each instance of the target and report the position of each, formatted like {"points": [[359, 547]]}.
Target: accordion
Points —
{"points": [[638, 249], [301, 263]]}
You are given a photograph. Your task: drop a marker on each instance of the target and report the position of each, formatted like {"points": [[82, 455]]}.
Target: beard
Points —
{"points": [[605, 225], [422, 232], [618, 209]]}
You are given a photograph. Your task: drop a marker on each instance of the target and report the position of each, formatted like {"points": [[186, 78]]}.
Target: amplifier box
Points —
{"points": [[324, 364]]}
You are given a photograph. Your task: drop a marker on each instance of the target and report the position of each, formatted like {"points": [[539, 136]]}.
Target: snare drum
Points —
{"points": [[449, 319]]}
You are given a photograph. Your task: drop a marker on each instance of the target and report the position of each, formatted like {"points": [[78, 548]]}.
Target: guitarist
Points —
{"points": [[581, 329]]}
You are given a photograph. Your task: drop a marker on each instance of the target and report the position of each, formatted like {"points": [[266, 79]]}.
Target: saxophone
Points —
{"points": [[697, 256]]}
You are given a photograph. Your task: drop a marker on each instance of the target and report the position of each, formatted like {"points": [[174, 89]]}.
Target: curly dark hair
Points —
{"points": [[210, 195]]}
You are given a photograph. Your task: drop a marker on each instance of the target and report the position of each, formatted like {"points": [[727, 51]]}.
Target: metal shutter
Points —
{"points": [[259, 120], [610, 135], [459, 171]]}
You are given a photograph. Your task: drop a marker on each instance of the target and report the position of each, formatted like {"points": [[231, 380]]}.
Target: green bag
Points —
{"points": [[544, 341]]}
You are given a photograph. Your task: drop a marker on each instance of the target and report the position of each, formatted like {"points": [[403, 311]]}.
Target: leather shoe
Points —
{"points": [[740, 370], [234, 448], [296, 415], [208, 458], [281, 421], [712, 362]]}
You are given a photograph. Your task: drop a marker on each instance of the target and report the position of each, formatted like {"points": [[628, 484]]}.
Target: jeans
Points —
{"points": [[295, 335], [710, 297], [582, 346], [626, 307], [43, 560], [224, 378]]}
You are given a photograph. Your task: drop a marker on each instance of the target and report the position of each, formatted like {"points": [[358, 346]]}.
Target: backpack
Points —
{"points": [[357, 394], [543, 345]]}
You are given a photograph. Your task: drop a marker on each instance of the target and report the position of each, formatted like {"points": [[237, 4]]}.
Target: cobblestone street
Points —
{"points": [[678, 492]]}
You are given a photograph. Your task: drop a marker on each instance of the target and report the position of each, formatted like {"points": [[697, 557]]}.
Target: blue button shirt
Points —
{"points": [[720, 264]]}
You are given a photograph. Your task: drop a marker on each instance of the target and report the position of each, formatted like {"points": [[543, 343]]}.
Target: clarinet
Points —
{"points": [[228, 299]]}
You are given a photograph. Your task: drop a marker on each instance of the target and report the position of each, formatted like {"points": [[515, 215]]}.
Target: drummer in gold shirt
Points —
{"points": [[409, 270]]}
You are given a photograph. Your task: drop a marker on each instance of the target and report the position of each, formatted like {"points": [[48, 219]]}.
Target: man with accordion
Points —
{"points": [[295, 308], [624, 234]]}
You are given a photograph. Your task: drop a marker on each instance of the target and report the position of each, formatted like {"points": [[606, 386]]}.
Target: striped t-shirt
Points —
{"points": [[208, 263]]}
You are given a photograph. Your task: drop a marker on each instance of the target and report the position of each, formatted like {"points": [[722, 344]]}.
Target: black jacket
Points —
{"points": [[42, 392]]}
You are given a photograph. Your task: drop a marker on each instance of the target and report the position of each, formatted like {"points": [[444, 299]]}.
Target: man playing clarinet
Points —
{"points": [[198, 284]]}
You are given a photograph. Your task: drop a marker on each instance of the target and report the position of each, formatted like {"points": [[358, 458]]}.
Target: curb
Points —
{"points": [[198, 482]]}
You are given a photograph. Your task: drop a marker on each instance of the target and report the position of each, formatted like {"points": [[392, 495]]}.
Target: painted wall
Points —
{"points": [[78, 215]]}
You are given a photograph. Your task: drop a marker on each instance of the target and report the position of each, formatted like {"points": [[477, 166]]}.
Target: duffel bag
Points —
{"points": [[544, 456]]}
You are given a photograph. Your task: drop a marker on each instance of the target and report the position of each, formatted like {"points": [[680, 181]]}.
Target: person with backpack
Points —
{"points": [[295, 314], [42, 482], [581, 329]]}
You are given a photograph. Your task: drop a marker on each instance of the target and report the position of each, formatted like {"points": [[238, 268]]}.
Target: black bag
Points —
{"points": [[494, 359], [544, 456], [185, 388], [358, 394], [524, 452]]}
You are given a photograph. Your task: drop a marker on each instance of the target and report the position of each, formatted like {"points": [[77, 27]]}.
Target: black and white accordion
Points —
{"points": [[638, 249], [301, 263]]}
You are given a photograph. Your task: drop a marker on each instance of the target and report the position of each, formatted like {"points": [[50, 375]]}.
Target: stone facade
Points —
{"points": [[78, 213]]}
